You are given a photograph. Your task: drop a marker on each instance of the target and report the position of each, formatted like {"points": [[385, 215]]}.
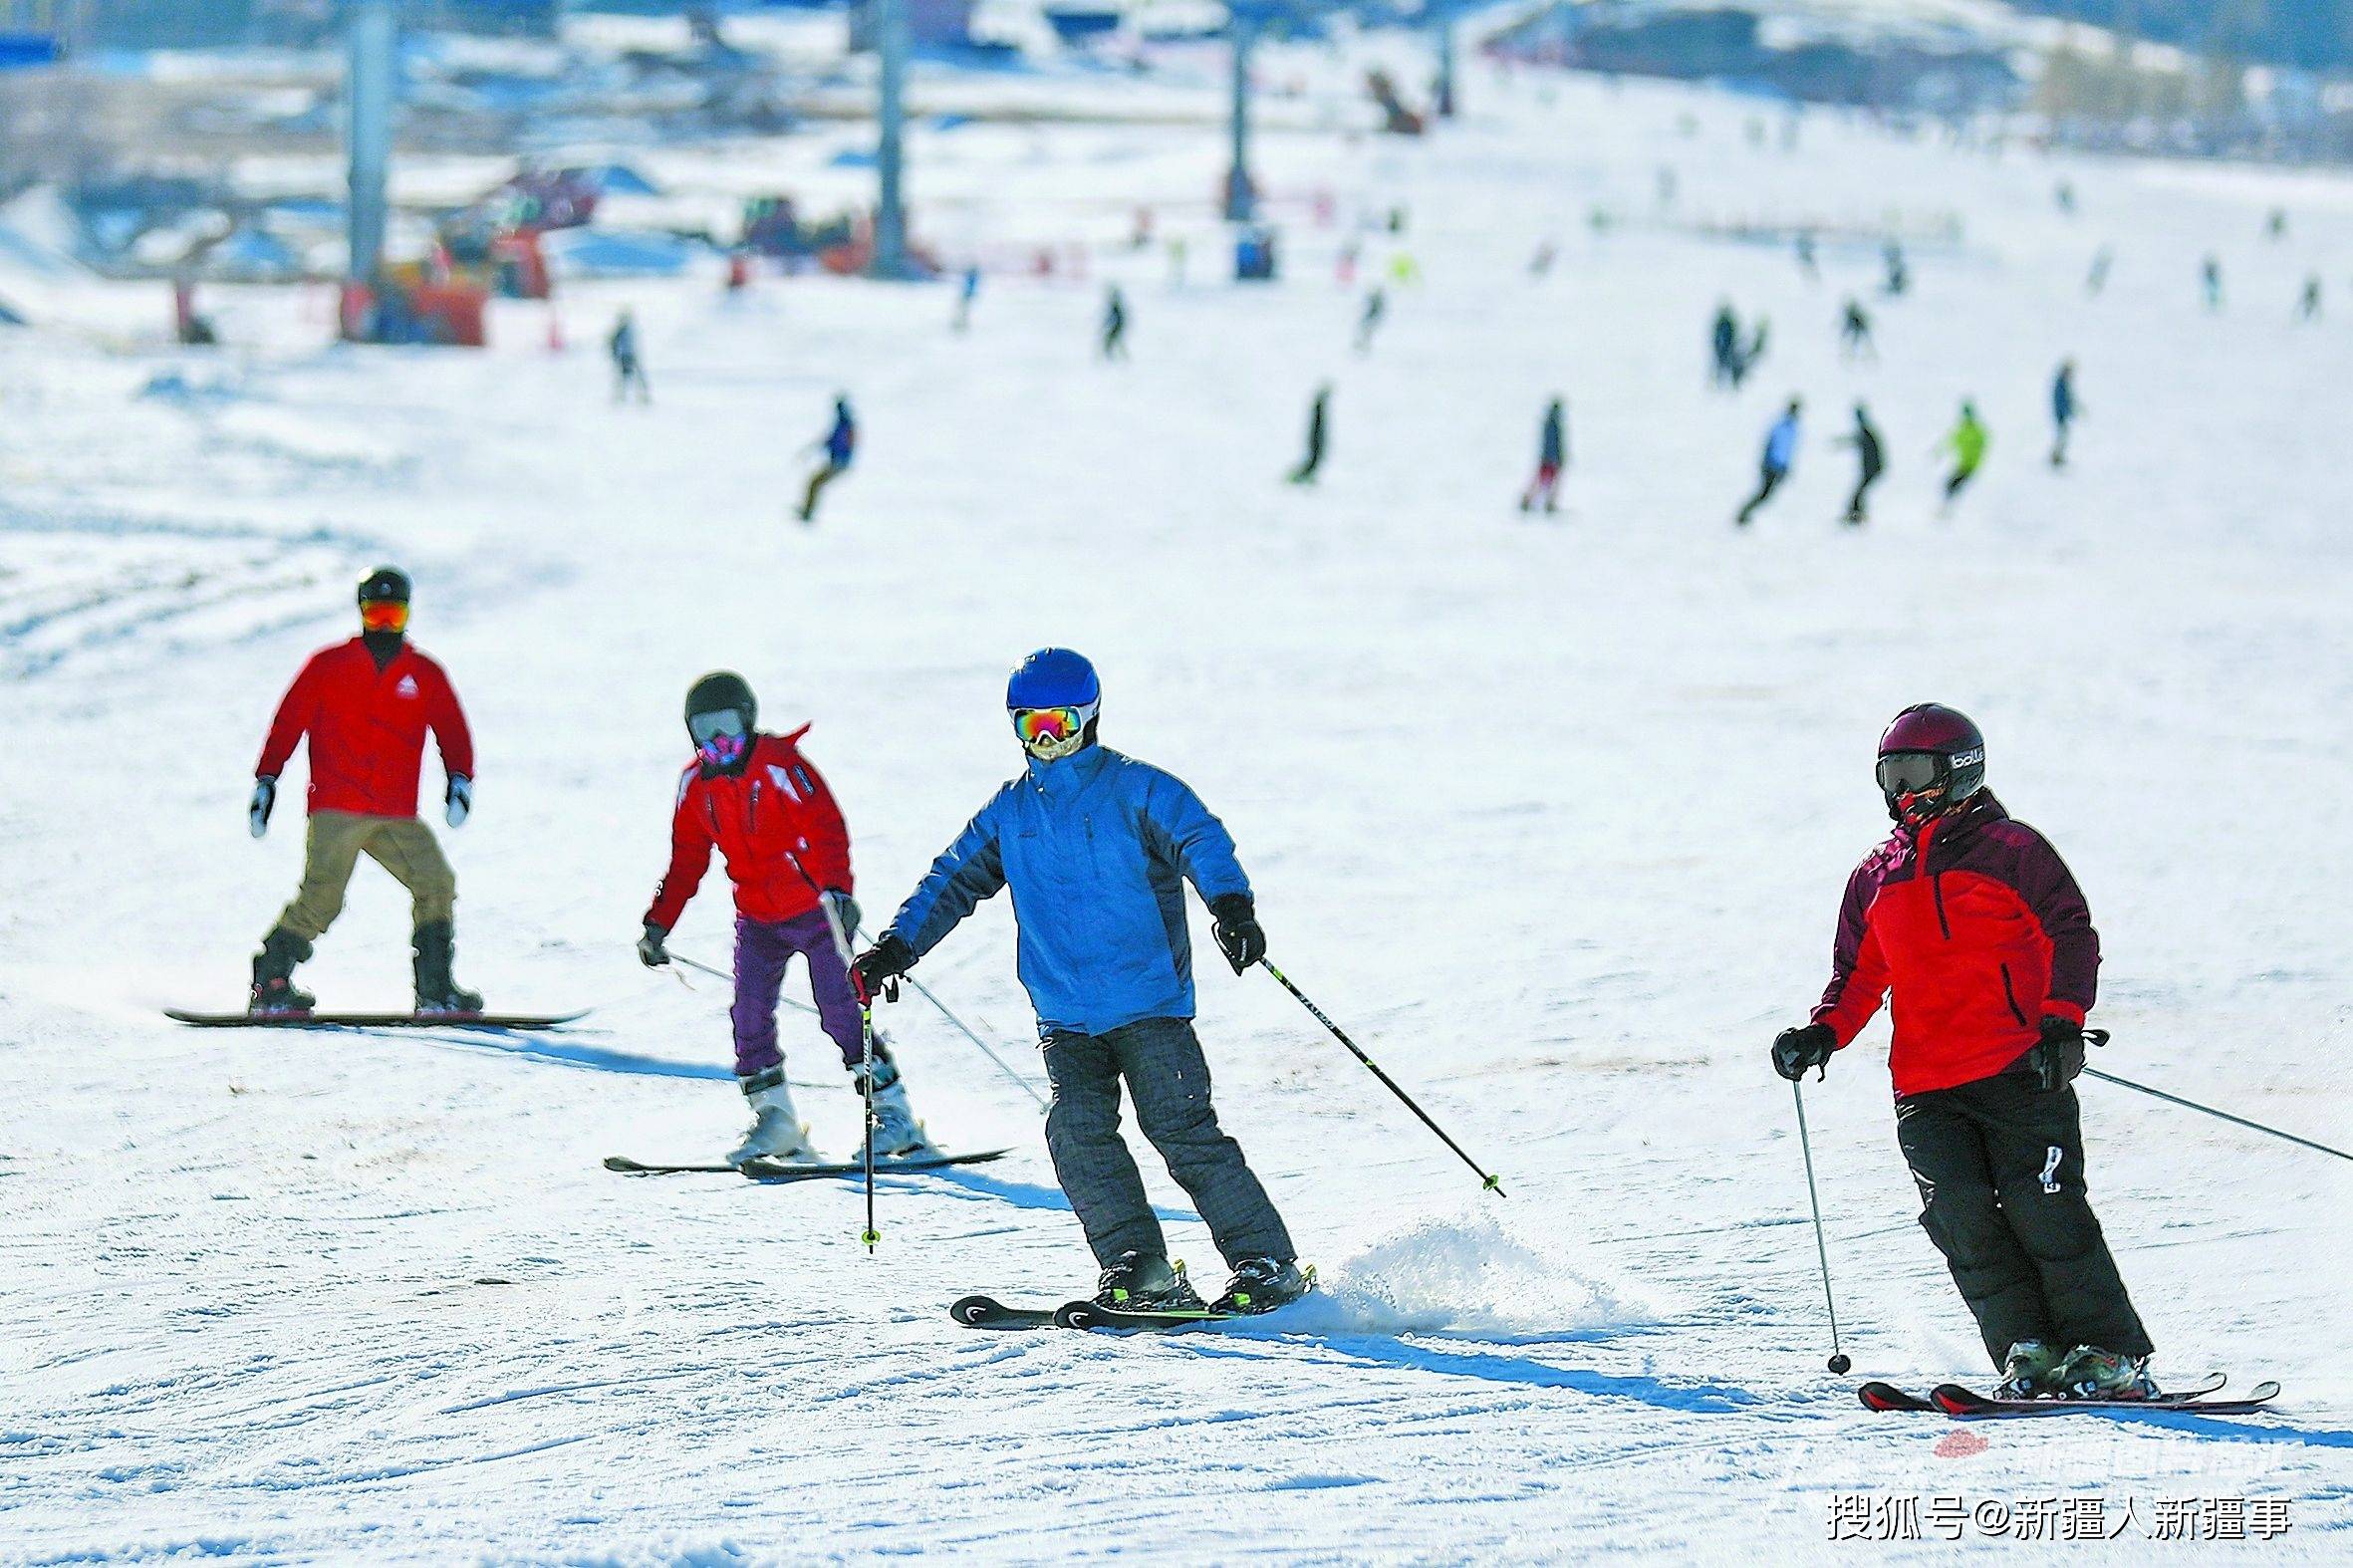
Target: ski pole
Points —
{"points": [[866, 1037], [923, 990], [1489, 1183], [2100, 1037], [1838, 1358], [721, 974], [865, 1083]]}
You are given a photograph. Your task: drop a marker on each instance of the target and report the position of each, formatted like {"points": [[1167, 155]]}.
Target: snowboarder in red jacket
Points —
{"points": [[758, 801], [1976, 926], [366, 706]]}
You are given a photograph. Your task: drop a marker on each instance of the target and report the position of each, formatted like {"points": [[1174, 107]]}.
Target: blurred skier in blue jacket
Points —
{"points": [[1096, 848]]}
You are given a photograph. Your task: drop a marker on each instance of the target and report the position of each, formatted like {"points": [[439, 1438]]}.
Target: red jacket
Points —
{"points": [[777, 811], [1977, 927], [367, 728]]}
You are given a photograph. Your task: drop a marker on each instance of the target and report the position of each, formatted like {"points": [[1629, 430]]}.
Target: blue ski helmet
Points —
{"points": [[1053, 698]]}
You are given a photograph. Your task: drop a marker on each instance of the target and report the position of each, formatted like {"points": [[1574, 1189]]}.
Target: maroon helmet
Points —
{"points": [[1931, 759]]}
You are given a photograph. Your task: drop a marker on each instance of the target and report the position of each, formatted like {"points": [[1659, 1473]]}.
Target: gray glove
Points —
{"points": [[257, 811], [650, 952], [458, 804]]}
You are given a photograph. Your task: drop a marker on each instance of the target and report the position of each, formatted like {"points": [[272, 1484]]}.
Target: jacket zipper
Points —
{"points": [[2010, 994], [1936, 881]]}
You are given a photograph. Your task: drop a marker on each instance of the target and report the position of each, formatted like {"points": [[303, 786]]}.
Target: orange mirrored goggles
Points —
{"points": [[383, 615]]}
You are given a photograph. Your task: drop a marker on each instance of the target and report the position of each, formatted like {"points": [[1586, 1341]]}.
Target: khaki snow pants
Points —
{"points": [[332, 848]]}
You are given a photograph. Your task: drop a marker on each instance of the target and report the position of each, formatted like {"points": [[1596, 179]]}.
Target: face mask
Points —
{"points": [[720, 739]]}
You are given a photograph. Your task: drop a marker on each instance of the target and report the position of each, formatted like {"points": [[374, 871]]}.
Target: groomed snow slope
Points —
{"points": [[1553, 814]]}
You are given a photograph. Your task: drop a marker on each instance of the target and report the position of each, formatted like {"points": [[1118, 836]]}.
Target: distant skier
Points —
{"points": [[967, 291], [1854, 334], [1724, 337], [2209, 276], [1967, 443], [2064, 408], [2102, 261], [755, 799], [1369, 321], [1552, 456], [2308, 307], [1870, 463], [1540, 264], [1975, 926], [1115, 325], [629, 366], [2276, 226], [365, 707], [1780, 455], [840, 445], [1318, 426], [1898, 271], [1750, 355], [1807, 263], [1096, 848]]}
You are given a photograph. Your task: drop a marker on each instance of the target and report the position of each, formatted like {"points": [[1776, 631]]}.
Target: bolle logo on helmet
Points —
{"points": [[1969, 758]]}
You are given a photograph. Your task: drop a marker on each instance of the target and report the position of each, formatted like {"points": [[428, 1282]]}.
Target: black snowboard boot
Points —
{"points": [[436, 992], [1262, 1284], [1140, 1282], [274, 990]]}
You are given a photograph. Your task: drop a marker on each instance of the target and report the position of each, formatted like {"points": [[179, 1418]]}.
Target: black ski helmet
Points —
{"points": [[385, 585], [723, 691]]}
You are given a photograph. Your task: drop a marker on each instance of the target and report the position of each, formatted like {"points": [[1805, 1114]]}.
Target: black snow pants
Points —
{"points": [[1999, 1166], [1767, 481], [1160, 1060]]}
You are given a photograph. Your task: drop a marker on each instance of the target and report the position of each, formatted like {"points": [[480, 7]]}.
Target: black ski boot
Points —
{"points": [[434, 944], [1142, 1282], [1262, 1284], [274, 990]]}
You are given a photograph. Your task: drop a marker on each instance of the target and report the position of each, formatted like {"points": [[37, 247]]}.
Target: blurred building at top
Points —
{"points": [[80, 25]]}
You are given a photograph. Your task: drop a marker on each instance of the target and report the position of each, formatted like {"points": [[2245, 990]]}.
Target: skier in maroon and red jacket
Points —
{"points": [[756, 800], [1975, 926], [365, 706]]}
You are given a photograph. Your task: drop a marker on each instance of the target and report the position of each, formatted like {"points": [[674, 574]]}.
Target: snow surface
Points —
{"points": [[1553, 814]]}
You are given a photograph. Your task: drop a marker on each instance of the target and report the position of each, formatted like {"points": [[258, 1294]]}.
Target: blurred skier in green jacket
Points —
{"points": [[1967, 445]]}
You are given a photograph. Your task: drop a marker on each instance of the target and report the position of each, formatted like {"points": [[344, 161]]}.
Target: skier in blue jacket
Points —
{"points": [[1096, 848]]}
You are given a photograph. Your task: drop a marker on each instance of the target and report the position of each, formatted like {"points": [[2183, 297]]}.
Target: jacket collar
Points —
{"points": [[1067, 775], [1980, 809]]}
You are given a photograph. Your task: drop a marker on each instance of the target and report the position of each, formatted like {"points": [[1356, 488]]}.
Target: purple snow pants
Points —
{"points": [[763, 951]]}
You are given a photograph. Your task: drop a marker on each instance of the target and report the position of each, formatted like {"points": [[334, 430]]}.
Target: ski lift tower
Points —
{"points": [[1245, 20], [889, 19], [1442, 15], [368, 89]]}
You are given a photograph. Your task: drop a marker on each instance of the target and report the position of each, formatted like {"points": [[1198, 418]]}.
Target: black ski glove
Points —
{"points": [[650, 952], [877, 970], [1798, 1051], [847, 916], [257, 811], [1238, 932], [2058, 1056]]}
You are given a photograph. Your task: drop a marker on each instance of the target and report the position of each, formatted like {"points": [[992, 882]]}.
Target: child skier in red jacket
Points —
{"points": [[758, 801]]}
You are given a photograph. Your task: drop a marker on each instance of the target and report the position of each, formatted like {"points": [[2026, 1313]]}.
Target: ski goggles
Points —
{"points": [[1912, 772], [1052, 732], [719, 737], [383, 615]]}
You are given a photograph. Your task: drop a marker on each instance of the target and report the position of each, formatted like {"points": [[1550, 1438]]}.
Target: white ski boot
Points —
{"points": [[897, 1131], [777, 1133]]}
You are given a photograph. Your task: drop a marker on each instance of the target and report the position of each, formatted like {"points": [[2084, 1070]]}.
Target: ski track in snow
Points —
{"points": [[1553, 814]]}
